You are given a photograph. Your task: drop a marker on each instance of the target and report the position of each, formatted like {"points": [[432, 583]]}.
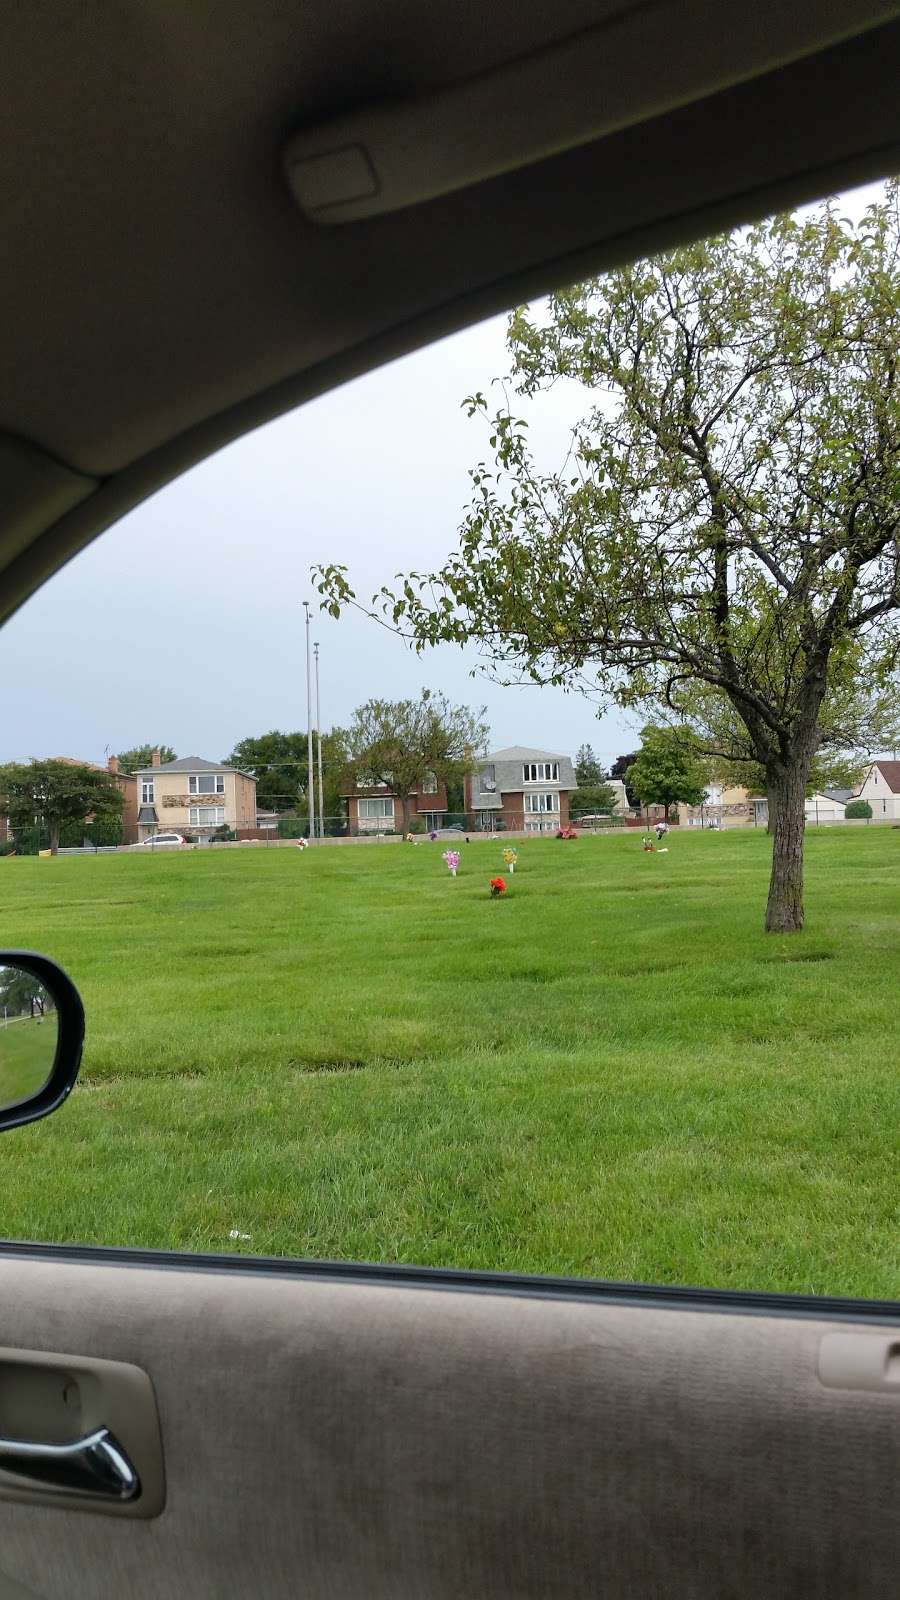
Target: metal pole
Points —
{"points": [[319, 740], [310, 779]]}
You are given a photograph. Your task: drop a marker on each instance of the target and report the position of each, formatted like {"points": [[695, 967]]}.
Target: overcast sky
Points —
{"points": [[184, 622]]}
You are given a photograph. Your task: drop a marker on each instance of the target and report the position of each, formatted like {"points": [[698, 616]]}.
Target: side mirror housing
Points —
{"points": [[41, 1036]]}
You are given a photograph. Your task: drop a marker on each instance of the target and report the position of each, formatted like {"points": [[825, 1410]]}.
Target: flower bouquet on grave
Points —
{"points": [[452, 859]]}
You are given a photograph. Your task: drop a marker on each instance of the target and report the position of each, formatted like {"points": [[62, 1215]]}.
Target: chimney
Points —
{"points": [[154, 759], [113, 764]]}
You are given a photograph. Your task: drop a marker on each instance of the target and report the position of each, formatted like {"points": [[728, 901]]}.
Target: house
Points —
{"points": [[520, 790], [828, 805], [376, 808], [724, 806], [194, 795], [125, 782], [881, 787]]}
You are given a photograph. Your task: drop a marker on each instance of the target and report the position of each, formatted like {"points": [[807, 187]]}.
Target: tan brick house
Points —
{"points": [[193, 795]]}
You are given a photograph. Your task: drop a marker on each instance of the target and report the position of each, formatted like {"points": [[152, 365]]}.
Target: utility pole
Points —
{"points": [[319, 740], [310, 779]]}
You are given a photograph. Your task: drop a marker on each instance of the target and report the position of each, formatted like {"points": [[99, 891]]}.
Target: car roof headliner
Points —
{"points": [[163, 293]]}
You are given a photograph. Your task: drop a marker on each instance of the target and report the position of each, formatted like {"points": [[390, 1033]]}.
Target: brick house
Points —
{"points": [[520, 790], [193, 795], [376, 808]]}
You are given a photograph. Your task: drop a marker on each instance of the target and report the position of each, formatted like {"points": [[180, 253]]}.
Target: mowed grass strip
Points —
{"points": [[611, 1071], [27, 1052]]}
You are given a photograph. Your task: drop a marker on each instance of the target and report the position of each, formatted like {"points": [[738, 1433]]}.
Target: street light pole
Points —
{"points": [[319, 739], [310, 779]]}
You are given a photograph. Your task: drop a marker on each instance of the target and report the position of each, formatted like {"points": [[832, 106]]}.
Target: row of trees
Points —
{"points": [[721, 544]]}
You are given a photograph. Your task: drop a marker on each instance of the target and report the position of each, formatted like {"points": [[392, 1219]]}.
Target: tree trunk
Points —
{"points": [[784, 912], [54, 839], [404, 815]]}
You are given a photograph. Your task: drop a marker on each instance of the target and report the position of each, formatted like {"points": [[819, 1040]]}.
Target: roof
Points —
{"points": [[193, 764], [890, 771], [841, 795], [147, 814], [522, 752], [93, 766]]}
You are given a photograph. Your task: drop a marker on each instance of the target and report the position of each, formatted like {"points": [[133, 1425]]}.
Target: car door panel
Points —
{"points": [[337, 1433]]}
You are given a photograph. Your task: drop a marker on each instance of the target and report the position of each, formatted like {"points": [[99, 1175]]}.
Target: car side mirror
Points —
{"points": [[41, 1036]]}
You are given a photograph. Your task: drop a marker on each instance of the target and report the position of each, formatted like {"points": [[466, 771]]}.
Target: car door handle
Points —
{"points": [[94, 1465]]}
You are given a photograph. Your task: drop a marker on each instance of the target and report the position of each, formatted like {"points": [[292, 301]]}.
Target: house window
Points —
{"points": [[540, 772], [375, 807], [206, 783], [429, 784], [147, 792], [489, 778], [207, 816], [432, 820], [542, 802]]}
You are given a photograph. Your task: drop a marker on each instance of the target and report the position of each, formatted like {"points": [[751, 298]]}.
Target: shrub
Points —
{"points": [[105, 830], [292, 828], [858, 808]]}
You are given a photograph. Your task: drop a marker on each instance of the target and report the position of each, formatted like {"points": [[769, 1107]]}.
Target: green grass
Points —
{"points": [[27, 1049], [611, 1072]]}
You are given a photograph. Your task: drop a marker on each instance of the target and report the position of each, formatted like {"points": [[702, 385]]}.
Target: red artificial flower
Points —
{"points": [[498, 886]]}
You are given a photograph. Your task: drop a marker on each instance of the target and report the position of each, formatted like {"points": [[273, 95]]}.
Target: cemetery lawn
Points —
{"points": [[611, 1071]]}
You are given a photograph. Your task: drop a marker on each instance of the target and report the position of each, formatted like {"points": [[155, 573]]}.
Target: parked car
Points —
{"points": [[158, 841]]}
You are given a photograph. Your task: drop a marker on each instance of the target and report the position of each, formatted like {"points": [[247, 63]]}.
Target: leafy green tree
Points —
{"points": [[22, 994], [400, 743], [54, 793], [590, 798], [666, 772], [857, 808], [278, 762], [141, 755], [588, 770], [728, 513]]}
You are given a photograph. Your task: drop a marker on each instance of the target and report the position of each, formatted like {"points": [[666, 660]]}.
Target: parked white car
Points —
{"points": [[156, 841]]}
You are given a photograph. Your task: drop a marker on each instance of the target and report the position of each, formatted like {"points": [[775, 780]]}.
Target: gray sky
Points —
{"points": [[183, 623]]}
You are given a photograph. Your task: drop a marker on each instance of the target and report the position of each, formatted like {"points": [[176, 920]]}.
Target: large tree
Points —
{"points": [[588, 770], [666, 771], [278, 762], [141, 755], [53, 793], [589, 798], [21, 993], [728, 512], [404, 744]]}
